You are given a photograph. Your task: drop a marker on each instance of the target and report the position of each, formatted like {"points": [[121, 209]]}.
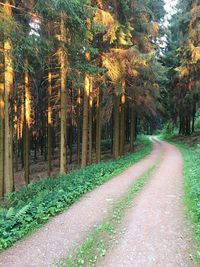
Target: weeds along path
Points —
{"points": [[64, 232], [156, 231]]}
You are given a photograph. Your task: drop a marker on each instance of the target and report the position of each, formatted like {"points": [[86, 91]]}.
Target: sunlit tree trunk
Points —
{"points": [[49, 120], [71, 129], [98, 127], [9, 74], [79, 127], [122, 119], [63, 101], [1, 130], [27, 126], [16, 135], [85, 120], [90, 120]]}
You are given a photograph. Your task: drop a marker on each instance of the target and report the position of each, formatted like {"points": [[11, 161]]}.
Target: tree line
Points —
{"points": [[182, 58], [75, 73]]}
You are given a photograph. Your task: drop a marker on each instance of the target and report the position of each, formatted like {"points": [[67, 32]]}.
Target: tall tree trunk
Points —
{"points": [[16, 137], [98, 127], [85, 120], [79, 127], [1, 133], [193, 114], [133, 129], [27, 128], [116, 121], [9, 74], [71, 129], [90, 121], [63, 101], [49, 127], [122, 119]]}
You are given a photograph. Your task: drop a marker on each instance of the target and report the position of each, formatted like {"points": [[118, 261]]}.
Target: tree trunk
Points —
{"points": [[85, 120], [98, 127], [193, 115], [90, 121], [133, 130], [116, 121], [79, 128], [1, 135], [63, 102], [27, 128], [49, 127], [9, 74], [71, 130], [122, 119]]}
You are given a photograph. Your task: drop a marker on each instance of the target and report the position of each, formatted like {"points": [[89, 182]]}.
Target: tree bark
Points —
{"points": [[1, 135], [98, 127], [9, 78], [122, 119], [133, 129], [79, 128], [90, 121], [116, 121], [26, 128], [63, 101], [85, 120], [49, 127]]}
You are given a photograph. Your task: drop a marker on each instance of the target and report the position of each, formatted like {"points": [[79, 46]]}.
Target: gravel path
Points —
{"points": [[156, 234], [63, 232]]}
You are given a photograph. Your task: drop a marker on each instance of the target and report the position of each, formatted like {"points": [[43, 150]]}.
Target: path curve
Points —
{"points": [[57, 238], [156, 234]]}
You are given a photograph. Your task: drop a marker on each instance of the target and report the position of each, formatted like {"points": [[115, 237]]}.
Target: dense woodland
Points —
{"points": [[77, 76]]}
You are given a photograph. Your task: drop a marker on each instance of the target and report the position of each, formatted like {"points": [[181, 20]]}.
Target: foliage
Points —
{"points": [[182, 59], [32, 206], [197, 123], [106, 144], [168, 130]]}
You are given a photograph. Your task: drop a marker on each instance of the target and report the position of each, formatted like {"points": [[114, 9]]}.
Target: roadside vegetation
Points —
{"points": [[32, 206]]}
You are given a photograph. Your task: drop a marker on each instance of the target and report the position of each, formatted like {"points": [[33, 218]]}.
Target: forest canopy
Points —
{"points": [[78, 77]]}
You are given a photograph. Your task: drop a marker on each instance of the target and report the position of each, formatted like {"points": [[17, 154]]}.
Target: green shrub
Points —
{"points": [[168, 130], [197, 123], [32, 206], [106, 144]]}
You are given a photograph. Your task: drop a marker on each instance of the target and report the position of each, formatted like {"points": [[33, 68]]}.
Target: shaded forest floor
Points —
{"points": [[39, 166]]}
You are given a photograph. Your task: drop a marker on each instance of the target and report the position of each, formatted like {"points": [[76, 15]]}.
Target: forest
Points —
{"points": [[82, 83]]}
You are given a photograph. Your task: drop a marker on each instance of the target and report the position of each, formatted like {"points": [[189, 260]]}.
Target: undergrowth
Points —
{"points": [[29, 208]]}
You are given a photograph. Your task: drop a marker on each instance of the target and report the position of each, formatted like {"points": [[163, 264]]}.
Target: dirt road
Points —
{"points": [[157, 234], [64, 232]]}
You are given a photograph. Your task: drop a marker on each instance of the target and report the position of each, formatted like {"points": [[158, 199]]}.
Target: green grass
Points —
{"points": [[29, 208], [191, 154], [97, 243]]}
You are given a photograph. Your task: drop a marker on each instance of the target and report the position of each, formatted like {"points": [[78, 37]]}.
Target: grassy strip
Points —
{"points": [[29, 208], [96, 245], [191, 156]]}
